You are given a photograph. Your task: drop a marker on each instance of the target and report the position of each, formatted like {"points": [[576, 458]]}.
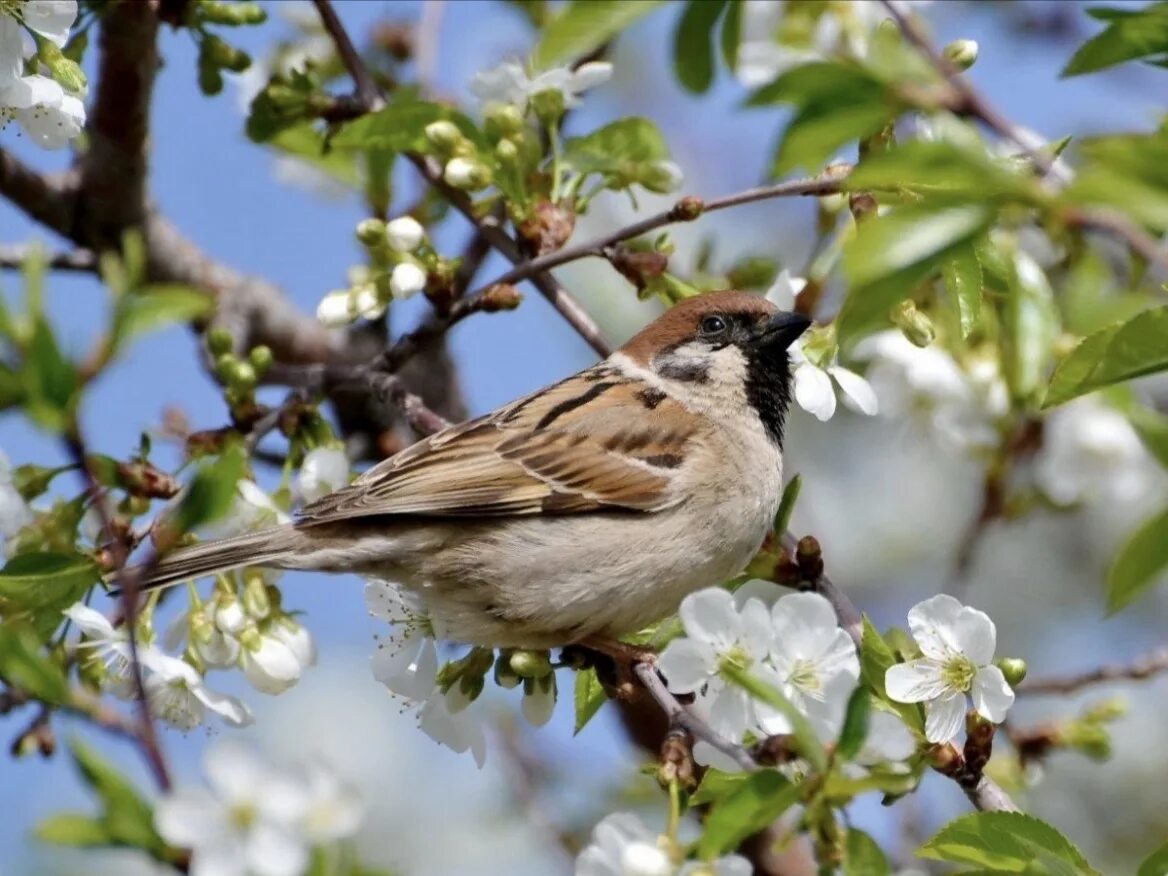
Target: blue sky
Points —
{"points": [[220, 190]]}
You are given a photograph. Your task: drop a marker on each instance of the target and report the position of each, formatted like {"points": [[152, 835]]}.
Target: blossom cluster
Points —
{"points": [[623, 846], [50, 113], [257, 817], [399, 264]]}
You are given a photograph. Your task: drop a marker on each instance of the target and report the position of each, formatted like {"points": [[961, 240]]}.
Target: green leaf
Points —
{"points": [[400, 126], [624, 152], [715, 785], [863, 856], [963, 281], [1116, 353], [586, 25], [761, 798], [805, 737], [590, 696], [732, 33], [1152, 427], [943, 170], [305, 142], [836, 104], [50, 380], [211, 492], [1139, 563], [1130, 34], [890, 255], [73, 829], [855, 728], [1031, 325], [23, 665], [841, 790], [157, 306], [41, 581], [1128, 172], [1007, 842], [693, 44], [127, 817], [1156, 864], [875, 659]]}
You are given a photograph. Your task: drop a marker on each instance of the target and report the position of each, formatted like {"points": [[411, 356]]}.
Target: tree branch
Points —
{"points": [[13, 257], [1145, 666], [48, 198]]}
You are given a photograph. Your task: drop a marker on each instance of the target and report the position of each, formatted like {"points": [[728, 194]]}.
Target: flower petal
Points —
{"points": [[814, 392], [235, 770], [992, 696], [915, 681], [191, 817], [783, 291], [91, 621], [932, 622], [687, 664], [858, 393], [710, 617], [803, 624], [729, 711], [944, 718], [232, 710], [766, 592], [975, 635], [275, 850]]}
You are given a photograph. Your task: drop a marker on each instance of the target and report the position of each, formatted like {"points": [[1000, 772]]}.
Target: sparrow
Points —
{"points": [[577, 514]]}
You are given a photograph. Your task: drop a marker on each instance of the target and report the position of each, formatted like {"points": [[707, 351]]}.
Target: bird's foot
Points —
{"points": [[614, 662]]}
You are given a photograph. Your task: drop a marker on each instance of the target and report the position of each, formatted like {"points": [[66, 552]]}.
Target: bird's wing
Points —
{"points": [[596, 440]]}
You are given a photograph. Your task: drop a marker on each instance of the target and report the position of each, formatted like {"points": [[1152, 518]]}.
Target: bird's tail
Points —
{"points": [[269, 547]]}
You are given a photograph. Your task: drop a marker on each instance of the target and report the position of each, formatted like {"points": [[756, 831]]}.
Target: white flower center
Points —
{"points": [[805, 679], [737, 657]]}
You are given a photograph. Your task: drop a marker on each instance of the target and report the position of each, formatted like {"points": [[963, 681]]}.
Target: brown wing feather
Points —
{"points": [[557, 451]]}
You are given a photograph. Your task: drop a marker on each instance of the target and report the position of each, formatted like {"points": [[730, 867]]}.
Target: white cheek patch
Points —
{"points": [[702, 372]]}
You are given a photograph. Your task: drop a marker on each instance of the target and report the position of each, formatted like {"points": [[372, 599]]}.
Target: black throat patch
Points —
{"points": [[768, 388]]}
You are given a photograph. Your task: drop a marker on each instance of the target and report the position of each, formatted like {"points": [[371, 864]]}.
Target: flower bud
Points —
{"points": [[466, 173], [444, 135], [297, 639], [261, 358], [662, 177], [219, 341], [335, 310], [404, 234], [229, 615], [916, 326], [269, 665], [502, 120], [1109, 710], [230, 14], [406, 280], [961, 53], [507, 152], [549, 105], [539, 699], [242, 376], [65, 70], [505, 676], [255, 597], [371, 232], [530, 664], [1014, 669]]}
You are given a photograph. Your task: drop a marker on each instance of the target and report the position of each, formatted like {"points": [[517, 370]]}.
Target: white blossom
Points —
{"points": [[268, 663], [296, 638], [465, 173], [407, 279], [888, 740], [815, 659], [404, 234], [1090, 451], [49, 115], [342, 307], [214, 647], [815, 386], [784, 290], [251, 510], [324, 470], [458, 730], [49, 18], [179, 695], [719, 633], [256, 818], [15, 513], [539, 699], [957, 643], [111, 645], [622, 845], [407, 664], [510, 83]]}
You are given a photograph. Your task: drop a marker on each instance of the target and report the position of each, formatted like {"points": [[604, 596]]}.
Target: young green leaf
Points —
{"points": [[73, 829], [942, 170], [1156, 864], [855, 728], [1139, 563], [731, 34], [620, 150], [963, 281], [760, 799], [50, 380], [875, 659], [153, 307], [126, 816], [42, 581], [787, 505], [715, 785], [1130, 34], [24, 665], [693, 44], [590, 696], [863, 857], [1116, 353], [211, 492], [1152, 427], [891, 254], [1031, 325], [400, 126], [1006, 842], [584, 26]]}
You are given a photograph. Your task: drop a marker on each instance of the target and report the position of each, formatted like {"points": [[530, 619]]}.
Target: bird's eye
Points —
{"points": [[713, 325]]}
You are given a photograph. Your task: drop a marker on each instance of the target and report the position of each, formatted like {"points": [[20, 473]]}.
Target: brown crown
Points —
{"points": [[681, 321]]}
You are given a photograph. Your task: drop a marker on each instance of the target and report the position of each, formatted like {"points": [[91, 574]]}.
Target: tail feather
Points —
{"points": [[265, 548]]}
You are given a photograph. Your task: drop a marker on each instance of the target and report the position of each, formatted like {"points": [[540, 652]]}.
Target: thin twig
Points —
{"points": [[1145, 666], [1114, 222], [367, 91], [14, 257], [680, 716], [130, 580], [685, 210]]}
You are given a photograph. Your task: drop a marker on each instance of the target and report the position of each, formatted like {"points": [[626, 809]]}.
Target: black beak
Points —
{"points": [[782, 329]]}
